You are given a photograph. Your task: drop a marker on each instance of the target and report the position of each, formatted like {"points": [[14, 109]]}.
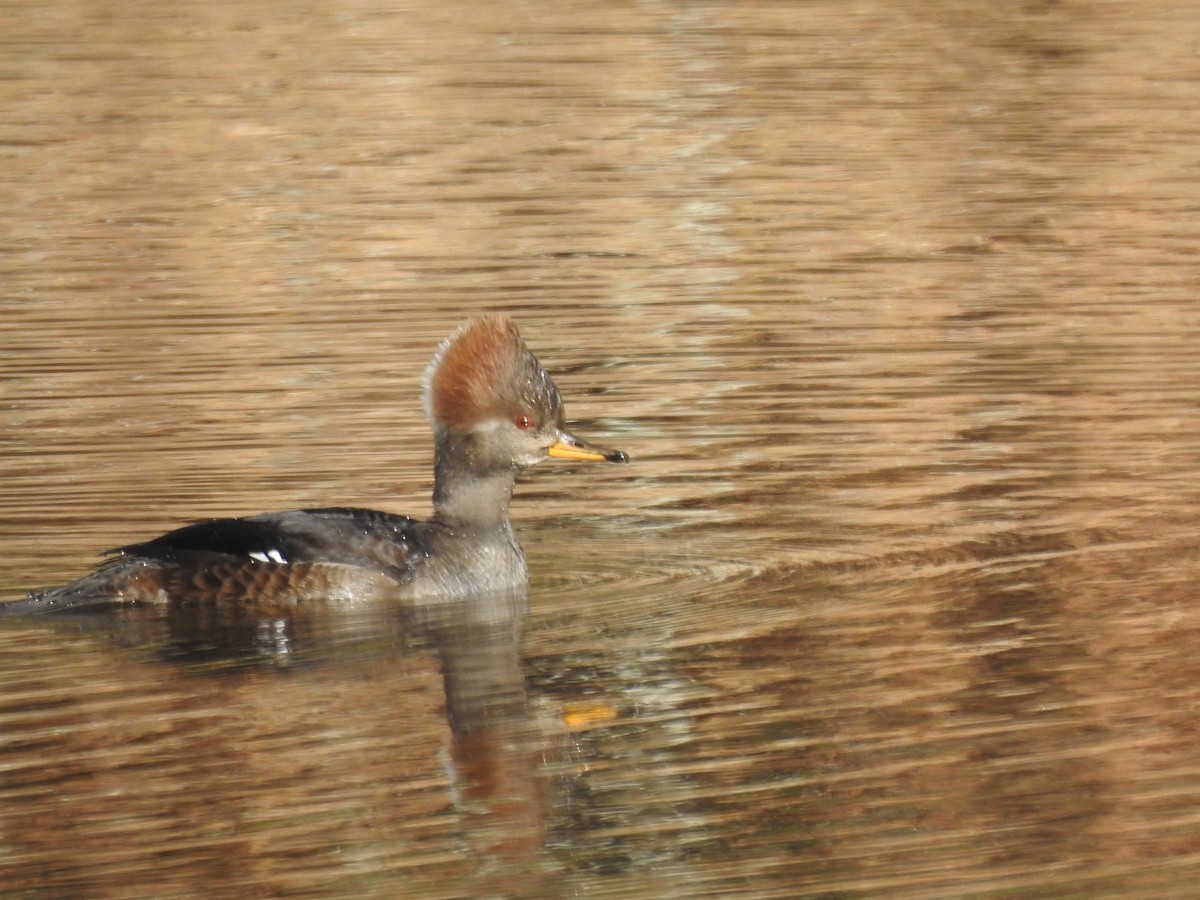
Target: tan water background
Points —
{"points": [[893, 305]]}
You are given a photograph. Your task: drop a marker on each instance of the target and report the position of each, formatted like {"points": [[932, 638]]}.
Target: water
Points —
{"points": [[892, 307]]}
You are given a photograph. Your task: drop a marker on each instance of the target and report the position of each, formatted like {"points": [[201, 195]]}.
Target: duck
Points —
{"points": [[494, 411]]}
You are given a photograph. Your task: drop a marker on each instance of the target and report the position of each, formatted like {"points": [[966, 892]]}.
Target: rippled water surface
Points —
{"points": [[893, 307]]}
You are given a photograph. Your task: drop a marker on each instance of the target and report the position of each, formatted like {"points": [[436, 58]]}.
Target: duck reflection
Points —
{"points": [[325, 707], [501, 755], [498, 749]]}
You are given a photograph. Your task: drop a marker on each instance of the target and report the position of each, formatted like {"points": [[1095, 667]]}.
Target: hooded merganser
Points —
{"points": [[494, 411]]}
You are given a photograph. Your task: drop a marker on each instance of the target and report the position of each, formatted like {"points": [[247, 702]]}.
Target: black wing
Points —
{"points": [[365, 538], [356, 537]]}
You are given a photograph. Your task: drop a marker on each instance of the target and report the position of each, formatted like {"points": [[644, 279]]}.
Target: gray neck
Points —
{"points": [[467, 493]]}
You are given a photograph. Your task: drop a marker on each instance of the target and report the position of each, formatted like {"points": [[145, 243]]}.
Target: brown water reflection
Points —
{"points": [[225, 773], [893, 307]]}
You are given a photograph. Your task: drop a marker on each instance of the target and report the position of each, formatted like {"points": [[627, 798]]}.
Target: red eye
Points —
{"points": [[523, 422]]}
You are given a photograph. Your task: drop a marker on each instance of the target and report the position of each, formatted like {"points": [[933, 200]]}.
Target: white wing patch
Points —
{"points": [[270, 556]]}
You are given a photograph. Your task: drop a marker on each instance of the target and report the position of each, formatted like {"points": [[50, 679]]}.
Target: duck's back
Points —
{"points": [[336, 554]]}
